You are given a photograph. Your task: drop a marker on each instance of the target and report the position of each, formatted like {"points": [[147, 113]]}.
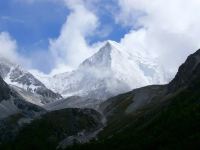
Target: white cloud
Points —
{"points": [[71, 47], [59, 69], [9, 50], [8, 47], [169, 29]]}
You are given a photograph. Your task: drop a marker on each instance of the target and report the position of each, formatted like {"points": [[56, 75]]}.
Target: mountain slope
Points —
{"points": [[73, 102], [4, 90], [110, 71], [59, 128], [188, 73], [155, 117], [19, 78], [11, 103], [26, 124], [169, 126], [159, 117]]}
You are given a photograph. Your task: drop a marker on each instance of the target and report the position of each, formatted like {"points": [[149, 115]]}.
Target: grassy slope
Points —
{"points": [[176, 125], [48, 131]]}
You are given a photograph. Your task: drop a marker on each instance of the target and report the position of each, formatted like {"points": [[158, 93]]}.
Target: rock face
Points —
{"points": [[73, 102], [18, 77], [131, 102], [187, 73], [5, 92], [11, 103]]}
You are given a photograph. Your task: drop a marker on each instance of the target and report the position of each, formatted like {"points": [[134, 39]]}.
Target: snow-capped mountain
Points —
{"points": [[12, 103], [21, 80], [110, 71]]}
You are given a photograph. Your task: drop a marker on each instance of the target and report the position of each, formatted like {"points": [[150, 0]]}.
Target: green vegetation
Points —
{"points": [[174, 125], [45, 133]]}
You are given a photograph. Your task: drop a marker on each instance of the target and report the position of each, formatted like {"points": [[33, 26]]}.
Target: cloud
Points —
{"points": [[9, 50], [168, 30], [8, 47], [71, 47]]}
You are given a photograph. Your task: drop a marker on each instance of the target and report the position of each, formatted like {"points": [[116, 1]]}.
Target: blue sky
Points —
{"points": [[58, 35], [32, 24]]}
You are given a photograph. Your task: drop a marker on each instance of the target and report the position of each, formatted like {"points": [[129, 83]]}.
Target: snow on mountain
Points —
{"points": [[17, 77], [11, 103], [110, 71]]}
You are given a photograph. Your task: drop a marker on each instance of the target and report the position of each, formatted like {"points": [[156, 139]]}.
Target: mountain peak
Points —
{"points": [[111, 51], [110, 71], [113, 45], [108, 45], [106, 48]]}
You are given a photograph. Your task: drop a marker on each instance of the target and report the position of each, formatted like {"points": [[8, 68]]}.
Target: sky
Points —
{"points": [[53, 36]]}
